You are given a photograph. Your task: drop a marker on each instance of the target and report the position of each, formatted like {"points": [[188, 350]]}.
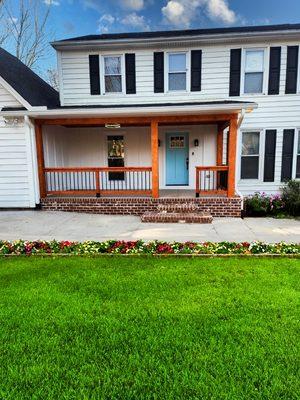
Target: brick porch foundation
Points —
{"points": [[216, 206]]}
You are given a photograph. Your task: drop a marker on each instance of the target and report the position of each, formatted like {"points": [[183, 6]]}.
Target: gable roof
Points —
{"points": [[33, 89], [182, 33]]}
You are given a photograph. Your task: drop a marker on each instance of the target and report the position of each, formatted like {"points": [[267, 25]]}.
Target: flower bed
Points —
{"points": [[21, 247]]}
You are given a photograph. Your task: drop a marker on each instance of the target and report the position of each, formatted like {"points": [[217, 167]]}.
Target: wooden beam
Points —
{"points": [[154, 153], [232, 144], [220, 145], [40, 159], [178, 119]]}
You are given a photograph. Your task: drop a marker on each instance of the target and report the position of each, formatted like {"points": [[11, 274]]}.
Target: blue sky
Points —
{"points": [[70, 18]]}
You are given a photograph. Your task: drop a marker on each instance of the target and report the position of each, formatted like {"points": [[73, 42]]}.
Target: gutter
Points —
{"points": [[137, 111], [177, 40]]}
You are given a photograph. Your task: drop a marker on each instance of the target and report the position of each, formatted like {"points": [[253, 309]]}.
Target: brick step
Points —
{"points": [[189, 218], [178, 208]]}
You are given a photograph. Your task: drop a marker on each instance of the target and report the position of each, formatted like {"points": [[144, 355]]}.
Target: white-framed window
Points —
{"points": [[297, 174], [254, 74], [113, 74], [177, 70], [250, 155]]}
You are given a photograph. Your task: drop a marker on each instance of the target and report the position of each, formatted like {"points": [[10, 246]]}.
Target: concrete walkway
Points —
{"points": [[33, 225]]}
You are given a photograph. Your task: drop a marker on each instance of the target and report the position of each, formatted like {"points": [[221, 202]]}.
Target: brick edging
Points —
{"points": [[216, 206]]}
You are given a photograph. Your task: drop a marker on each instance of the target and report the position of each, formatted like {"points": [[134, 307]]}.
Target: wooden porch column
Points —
{"points": [[220, 145], [232, 144], [154, 153], [40, 159]]}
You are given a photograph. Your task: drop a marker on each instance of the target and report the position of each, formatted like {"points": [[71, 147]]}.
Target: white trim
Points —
{"points": [[136, 111], [265, 71], [260, 157], [102, 74], [60, 78], [15, 93], [295, 154], [292, 34]]}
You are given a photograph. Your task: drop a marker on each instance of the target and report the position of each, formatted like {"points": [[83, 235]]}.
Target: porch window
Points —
{"points": [[254, 71], [115, 145], [177, 71], [113, 74], [250, 155], [298, 158]]}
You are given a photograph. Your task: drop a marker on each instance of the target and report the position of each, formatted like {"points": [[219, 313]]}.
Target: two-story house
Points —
{"points": [[205, 116]]}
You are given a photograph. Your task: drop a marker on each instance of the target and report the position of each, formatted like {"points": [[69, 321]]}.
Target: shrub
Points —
{"points": [[291, 197], [257, 205]]}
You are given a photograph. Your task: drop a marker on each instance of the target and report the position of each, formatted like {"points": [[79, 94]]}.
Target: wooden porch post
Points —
{"points": [[232, 144], [40, 159], [220, 145], [154, 153]]}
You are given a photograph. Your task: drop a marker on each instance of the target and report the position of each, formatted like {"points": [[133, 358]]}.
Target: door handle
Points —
{"points": [[187, 163]]}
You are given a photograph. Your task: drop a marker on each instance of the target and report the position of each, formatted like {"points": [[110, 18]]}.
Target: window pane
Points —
{"points": [[250, 144], [176, 142], [253, 82], [298, 152], [177, 62], [113, 83], [112, 65], [177, 81], [254, 61], [249, 167]]}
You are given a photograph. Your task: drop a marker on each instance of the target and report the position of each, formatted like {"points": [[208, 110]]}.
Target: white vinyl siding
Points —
{"points": [[274, 112], [7, 99], [17, 181]]}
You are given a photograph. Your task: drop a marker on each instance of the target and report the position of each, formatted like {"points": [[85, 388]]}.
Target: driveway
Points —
{"points": [[32, 225]]}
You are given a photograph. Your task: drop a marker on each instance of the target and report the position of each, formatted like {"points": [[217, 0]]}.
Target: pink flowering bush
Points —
{"points": [[139, 247], [261, 205]]}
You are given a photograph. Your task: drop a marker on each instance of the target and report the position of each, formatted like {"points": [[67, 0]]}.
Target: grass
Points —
{"points": [[149, 328]]}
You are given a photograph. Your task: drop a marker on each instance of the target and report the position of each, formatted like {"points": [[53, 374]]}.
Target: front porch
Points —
{"points": [[180, 157]]}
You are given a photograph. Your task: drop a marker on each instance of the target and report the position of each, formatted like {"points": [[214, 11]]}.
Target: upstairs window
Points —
{"points": [[113, 74], [177, 73], [254, 71]]}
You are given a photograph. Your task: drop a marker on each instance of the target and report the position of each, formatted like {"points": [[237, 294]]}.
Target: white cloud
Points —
{"points": [[135, 5], [51, 2], [180, 13], [136, 21], [219, 10], [174, 13], [105, 22]]}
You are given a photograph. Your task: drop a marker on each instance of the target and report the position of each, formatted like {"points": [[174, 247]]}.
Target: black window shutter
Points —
{"points": [[274, 70], [196, 66], [270, 150], [235, 72], [159, 72], [130, 73], [94, 74], [291, 70], [287, 154]]}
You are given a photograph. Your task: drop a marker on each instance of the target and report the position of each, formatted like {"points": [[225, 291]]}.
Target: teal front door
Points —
{"points": [[177, 158]]}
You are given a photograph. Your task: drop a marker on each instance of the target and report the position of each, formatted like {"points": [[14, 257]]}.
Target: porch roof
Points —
{"points": [[148, 109]]}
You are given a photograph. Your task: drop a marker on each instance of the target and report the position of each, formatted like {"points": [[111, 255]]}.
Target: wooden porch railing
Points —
{"points": [[98, 180], [212, 180]]}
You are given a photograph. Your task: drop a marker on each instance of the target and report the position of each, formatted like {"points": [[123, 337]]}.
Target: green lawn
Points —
{"points": [[149, 328]]}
